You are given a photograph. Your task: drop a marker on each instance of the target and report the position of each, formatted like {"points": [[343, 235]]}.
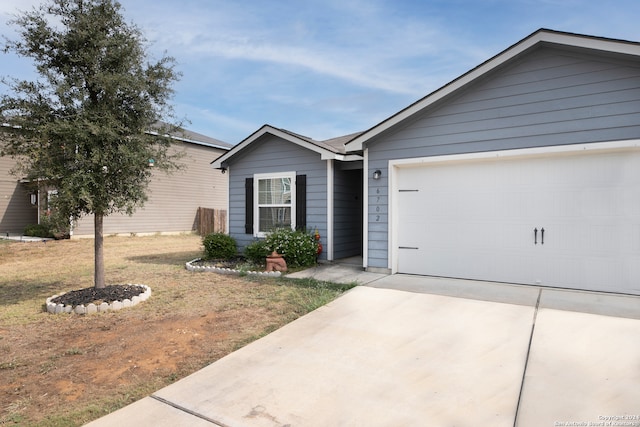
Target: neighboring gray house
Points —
{"points": [[524, 170]]}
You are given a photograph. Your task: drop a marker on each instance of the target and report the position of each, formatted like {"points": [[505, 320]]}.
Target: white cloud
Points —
{"points": [[216, 124], [361, 46], [334, 64], [320, 67], [11, 7]]}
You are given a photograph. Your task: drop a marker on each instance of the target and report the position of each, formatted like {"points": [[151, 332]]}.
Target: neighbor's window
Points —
{"points": [[51, 194], [275, 194]]}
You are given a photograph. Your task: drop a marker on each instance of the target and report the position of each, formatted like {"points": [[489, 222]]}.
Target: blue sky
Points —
{"points": [[328, 68]]}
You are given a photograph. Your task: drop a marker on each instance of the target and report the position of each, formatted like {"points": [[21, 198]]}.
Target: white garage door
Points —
{"points": [[570, 221]]}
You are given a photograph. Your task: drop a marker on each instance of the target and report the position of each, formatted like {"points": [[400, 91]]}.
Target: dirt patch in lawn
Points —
{"points": [[120, 358], [67, 369]]}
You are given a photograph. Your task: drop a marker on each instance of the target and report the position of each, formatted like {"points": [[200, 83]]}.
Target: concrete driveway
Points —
{"points": [[416, 351]]}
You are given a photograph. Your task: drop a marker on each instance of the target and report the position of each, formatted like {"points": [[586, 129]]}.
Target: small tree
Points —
{"points": [[82, 127]]}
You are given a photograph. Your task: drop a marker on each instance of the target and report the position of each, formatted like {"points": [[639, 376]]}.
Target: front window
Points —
{"points": [[275, 201]]}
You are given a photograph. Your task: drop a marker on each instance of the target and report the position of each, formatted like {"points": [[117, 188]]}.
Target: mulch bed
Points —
{"points": [[231, 263], [107, 294]]}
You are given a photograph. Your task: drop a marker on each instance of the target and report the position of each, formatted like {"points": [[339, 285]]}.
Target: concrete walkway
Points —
{"points": [[417, 351], [348, 270]]}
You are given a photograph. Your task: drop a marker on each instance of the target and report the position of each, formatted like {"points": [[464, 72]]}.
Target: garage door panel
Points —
{"points": [[477, 219], [634, 240], [631, 274], [632, 202], [599, 272], [508, 236]]}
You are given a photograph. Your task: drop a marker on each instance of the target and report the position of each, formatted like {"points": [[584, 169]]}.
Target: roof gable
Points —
{"points": [[539, 38], [330, 149]]}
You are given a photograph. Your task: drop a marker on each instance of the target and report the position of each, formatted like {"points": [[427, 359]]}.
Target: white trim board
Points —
{"points": [[365, 209], [521, 152], [330, 194]]}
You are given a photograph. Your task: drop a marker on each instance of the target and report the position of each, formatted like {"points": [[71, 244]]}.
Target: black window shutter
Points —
{"points": [[301, 202], [248, 205]]}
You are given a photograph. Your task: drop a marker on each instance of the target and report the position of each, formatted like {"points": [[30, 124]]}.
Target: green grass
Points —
{"points": [[39, 350]]}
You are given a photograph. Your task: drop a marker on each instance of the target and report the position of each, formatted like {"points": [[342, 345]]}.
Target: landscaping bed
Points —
{"points": [[239, 266], [234, 263], [93, 300], [96, 296]]}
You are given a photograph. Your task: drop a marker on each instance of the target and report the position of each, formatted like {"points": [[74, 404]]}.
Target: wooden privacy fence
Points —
{"points": [[211, 221]]}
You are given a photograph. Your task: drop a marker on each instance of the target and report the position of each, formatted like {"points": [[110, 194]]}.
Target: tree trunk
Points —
{"points": [[99, 251]]}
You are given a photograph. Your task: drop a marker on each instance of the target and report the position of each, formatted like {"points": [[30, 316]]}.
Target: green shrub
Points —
{"points": [[298, 248], [257, 251], [219, 246], [56, 224], [52, 225], [37, 230]]}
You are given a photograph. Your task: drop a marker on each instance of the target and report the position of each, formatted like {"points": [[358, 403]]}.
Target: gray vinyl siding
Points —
{"points": [[16, 210], [548, 97], [347, 213], [271, 154], [173, 199]]}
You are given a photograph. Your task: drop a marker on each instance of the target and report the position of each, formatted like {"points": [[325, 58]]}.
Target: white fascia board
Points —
{"points": [[542, 36], [217, 163], [621, 47], [444, 91], [347, 157], [324, 154]]}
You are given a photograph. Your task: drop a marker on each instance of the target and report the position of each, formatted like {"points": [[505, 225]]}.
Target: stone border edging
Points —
{"points": [[54, 308], [190, 267]]}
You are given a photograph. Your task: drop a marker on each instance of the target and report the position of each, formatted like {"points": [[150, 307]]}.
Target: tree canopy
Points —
{"points": [[83, 125]]}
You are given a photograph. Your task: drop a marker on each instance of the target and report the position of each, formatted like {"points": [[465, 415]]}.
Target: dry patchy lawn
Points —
{"points": [[65, 370]]}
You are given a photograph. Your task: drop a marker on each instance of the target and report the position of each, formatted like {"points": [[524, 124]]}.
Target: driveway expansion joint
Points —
{"points": [[188, 411], [526, 359]]}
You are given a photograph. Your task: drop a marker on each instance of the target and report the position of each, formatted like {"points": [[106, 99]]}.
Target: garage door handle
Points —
{"points": [[407, 247], [542, 235], [535, 236]]}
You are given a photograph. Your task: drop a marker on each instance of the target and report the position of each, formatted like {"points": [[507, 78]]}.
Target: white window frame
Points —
{"points": [[50, 195], [256, 194]]}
